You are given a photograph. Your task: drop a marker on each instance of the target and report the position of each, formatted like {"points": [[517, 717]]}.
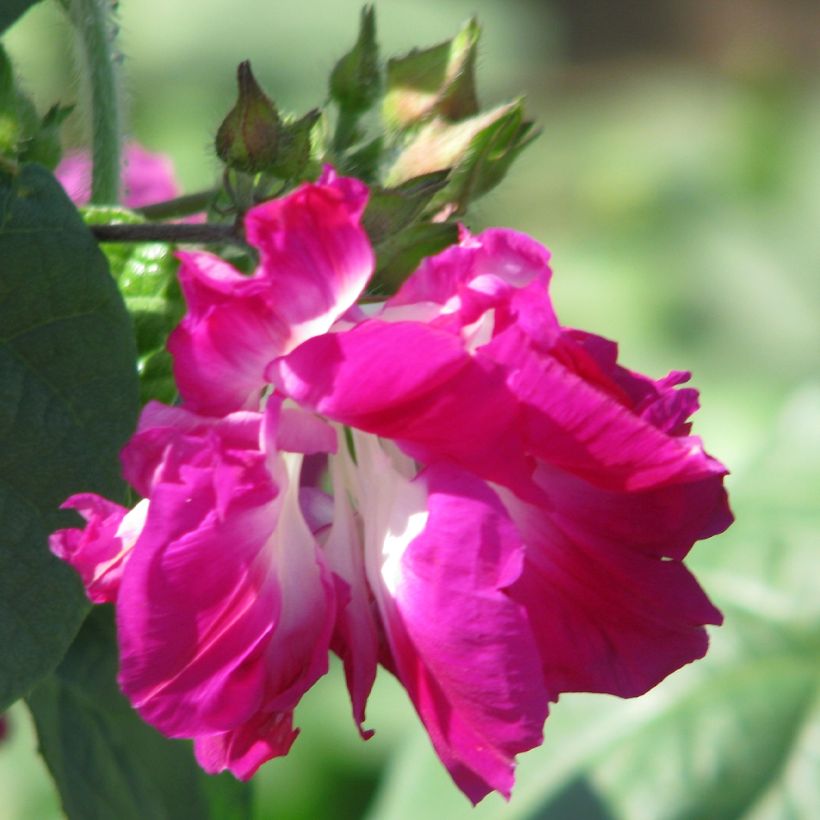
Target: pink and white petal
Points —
{"points": [[230, 333], [355, 639], [414, 384], [315, 254], [100, 550], [243, 750], [297, 655], [608, 616], [217, 619], [441, 552], [496, 254], [197, 609], [301, 431]]}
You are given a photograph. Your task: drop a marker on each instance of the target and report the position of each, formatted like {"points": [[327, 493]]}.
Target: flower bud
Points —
{"points": [[435, 81], [478, 150], [248, 138]]}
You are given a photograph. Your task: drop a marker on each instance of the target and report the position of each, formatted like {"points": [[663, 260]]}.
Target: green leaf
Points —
{"points": [[68, 402], [389, 210], [105, 760], [731, 737], [10, 10]]}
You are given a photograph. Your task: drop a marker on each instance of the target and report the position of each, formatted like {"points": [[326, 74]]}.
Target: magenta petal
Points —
{"points": [[461, 646], [160, 425], [415, 384], [242, 751], [502, 254], [315, 253], [573, 424], [611, 611], [225, 612], [99, 552], [231, 331]]}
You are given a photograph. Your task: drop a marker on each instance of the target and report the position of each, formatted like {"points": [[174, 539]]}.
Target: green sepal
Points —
{"points": [[399, 255], [364, 162], [435, 81], [389, 210], [295, 147], [355, 82], [24, 136]]}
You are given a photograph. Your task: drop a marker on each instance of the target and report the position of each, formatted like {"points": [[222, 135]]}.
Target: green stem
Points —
{"points": [[93, 22], [345, 133]]}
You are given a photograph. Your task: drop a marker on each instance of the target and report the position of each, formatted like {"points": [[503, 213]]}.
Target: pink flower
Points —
{"points": [[146, 177], [510, 511]]}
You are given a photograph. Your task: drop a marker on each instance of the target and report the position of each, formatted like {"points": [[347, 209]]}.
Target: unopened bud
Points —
{"points": [[248, 139]]}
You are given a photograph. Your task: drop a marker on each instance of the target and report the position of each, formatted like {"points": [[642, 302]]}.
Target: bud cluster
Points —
{"points": [[412, 128]]}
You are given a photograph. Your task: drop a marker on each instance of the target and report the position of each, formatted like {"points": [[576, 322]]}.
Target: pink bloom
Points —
{"points": [[146, 177], [510, 511]]}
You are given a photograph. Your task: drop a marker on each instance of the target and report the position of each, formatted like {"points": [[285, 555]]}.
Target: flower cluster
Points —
{"points": [[508, 515]]}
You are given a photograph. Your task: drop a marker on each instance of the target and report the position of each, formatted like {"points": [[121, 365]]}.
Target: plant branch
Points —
{"points": [[169, 232], [180, 206]]}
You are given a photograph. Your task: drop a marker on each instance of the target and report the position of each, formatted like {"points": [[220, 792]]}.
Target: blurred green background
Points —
{"points": [[677, 184]]}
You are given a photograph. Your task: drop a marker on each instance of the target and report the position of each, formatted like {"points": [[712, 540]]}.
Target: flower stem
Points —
{"points": [[96, 33]]}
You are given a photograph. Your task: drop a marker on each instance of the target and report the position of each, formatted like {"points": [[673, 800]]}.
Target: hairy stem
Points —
{"points": [[96, 33]]}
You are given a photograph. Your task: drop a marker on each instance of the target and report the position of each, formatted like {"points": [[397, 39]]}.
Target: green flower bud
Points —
{"points": [[435, 81], [248, 139]]}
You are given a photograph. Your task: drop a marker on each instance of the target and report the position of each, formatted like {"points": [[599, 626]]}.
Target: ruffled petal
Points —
{"points": [[570, 422], [497, 255], [230, 332], [441, 552], [612, 607], [315, 253], [415, 384], [100, 551], [225, 612], [316, 261], [242, 751]]}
